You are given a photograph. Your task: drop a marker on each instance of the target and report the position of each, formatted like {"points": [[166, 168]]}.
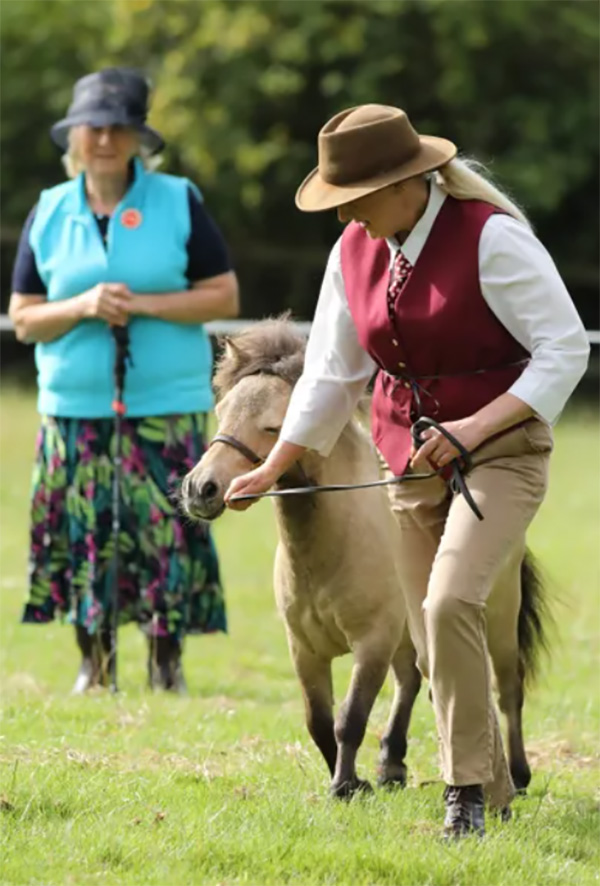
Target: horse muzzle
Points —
{"points": [[202, 498]]}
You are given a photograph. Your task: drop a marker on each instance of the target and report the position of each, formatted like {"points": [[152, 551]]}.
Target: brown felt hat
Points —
{"points": [[364, 149]]}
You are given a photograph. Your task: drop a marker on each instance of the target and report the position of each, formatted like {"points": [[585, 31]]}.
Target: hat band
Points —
{"points": [[102, 106], [340, 172]]}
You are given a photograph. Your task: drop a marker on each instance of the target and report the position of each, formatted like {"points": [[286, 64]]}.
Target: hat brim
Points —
{"points": [[149, 137], [317, 195]]}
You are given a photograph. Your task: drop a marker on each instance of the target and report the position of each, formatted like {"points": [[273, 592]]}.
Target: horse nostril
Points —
{"points": [[209, 490]]}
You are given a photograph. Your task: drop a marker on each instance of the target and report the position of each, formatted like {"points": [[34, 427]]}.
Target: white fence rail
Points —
{"points": [[217, 327], [224, 327]]}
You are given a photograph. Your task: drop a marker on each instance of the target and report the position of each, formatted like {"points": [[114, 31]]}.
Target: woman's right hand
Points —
{"points": [[259, 480], [107, 301]]}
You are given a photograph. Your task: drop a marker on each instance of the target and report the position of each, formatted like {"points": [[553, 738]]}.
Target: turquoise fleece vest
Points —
{"points": [[172, 362]]}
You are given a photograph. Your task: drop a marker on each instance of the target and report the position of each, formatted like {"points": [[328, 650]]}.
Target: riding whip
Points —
{"points": [[121, 336]]}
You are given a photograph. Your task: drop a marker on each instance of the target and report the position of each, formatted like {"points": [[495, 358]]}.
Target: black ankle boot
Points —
{"points": [[464, 811], [164, 664]]}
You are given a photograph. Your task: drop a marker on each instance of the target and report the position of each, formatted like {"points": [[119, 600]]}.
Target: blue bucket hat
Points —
{"points": [[111, 97]]}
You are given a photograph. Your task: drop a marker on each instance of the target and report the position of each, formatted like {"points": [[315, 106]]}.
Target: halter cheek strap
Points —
{"points": [[256, 460], [248, 453]]}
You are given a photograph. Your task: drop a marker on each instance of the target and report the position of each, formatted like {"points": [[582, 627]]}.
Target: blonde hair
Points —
{"points": [[467, 179], [74, 165]]}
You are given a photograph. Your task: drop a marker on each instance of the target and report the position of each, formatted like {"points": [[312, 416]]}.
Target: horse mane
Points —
{"points": [[271, 347]]}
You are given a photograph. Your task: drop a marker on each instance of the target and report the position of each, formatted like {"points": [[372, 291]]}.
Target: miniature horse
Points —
{"points": [[336, 581]]}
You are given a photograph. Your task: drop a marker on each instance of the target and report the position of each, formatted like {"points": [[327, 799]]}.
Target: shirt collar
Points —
{"points": [[414, 243]]}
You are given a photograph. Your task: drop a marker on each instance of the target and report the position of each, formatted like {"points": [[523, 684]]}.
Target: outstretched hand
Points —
{"points": [[253, 483]]}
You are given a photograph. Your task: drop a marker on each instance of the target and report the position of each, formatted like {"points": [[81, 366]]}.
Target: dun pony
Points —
{"points": [[335, 572]]}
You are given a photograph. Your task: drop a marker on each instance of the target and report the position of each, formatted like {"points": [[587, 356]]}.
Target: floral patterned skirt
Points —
{"points": [[168, 567]]}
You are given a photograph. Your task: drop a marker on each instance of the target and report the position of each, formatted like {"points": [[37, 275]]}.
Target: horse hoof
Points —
{"points": [[521, 776], [392, 777], [392, 783], [348, 789]]}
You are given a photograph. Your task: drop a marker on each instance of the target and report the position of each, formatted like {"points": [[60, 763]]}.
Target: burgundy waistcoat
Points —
{"points": [[441, 327]]}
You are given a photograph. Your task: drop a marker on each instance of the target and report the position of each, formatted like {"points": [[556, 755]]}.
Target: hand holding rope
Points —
{"points": [[459, 466]]}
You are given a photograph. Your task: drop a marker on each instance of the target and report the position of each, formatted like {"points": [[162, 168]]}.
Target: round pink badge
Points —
{"points": [[131, 218]]}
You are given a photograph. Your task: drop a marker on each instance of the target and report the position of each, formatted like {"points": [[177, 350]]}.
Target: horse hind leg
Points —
{"points": [[511, 697], [514, 631], [531, 637], [506, 660], [392, 770]]}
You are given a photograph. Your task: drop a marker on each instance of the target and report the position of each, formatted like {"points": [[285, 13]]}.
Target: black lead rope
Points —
{"points": [[460, 466]]}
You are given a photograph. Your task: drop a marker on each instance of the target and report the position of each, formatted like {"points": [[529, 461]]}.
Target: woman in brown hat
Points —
{"points": [[439, 283]]}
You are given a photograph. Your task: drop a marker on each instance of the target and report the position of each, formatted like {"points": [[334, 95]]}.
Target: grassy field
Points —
{"points": [[224, 787]]}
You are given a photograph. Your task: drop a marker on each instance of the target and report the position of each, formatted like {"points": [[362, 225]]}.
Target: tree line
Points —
{"points": [[241, 88]]}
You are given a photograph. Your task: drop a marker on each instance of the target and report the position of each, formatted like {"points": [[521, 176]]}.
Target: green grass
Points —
{"points": [[225, 787]]}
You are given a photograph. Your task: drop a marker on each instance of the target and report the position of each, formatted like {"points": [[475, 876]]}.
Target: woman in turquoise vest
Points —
{"points": [[118, 245]]}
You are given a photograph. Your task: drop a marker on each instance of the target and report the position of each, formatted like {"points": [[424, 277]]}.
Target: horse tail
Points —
{"points": [[534, 618]]}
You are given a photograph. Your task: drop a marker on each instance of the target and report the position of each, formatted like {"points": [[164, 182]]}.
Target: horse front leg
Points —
{"points": [[371, 664], [314, 673], [392, 768]]}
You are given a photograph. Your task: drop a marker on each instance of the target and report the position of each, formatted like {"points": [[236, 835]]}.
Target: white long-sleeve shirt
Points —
{"points": [[521, 285]]}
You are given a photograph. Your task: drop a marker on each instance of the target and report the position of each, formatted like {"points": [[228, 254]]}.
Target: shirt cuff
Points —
{"points": [[545, 395]]}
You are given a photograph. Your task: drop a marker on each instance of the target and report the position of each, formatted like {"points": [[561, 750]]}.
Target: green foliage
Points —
{"points": [[45, 46], [242, 88]]}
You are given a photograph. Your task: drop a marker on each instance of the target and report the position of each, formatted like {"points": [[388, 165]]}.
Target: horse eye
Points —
{"points": [[272, 431]]}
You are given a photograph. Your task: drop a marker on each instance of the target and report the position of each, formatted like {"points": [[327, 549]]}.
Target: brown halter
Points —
{"points": [[248, 453]]}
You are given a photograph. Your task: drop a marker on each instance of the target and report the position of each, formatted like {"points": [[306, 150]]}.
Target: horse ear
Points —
{"points": [[232, 352]]}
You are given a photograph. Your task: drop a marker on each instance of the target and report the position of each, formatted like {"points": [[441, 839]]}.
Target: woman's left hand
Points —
{"points": [[437, 451], [138, 306]]}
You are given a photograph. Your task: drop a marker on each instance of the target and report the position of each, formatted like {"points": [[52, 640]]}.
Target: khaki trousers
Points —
{"points": [[450, 563]]}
